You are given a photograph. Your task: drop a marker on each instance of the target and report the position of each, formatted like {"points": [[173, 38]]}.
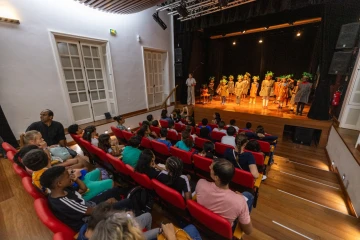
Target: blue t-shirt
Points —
{"points": [[166, 142], [81, 235], [182, 146], [207, 126]]}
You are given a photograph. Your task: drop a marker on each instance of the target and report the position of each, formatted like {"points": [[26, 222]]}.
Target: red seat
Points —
{"points": [[49, 220], [244, 130], [179, 127], [202, 166], [155, 130], [259, 157], [10, 155], [117, 132], [264, 146], [62, 236], [197, 131], [100, 154], [199, 142], [140, 124], [173, 136], [31, 189], [161, 149], [7, 147], [244, 179], [217, 136], [75, 138], [127, 135], [212, 125], [86, 145], [164, 123], [220, 148], [210, 221], [186, 158], [142, 179], [169, 195], [146, 143], [20, 171], [119, 165]]}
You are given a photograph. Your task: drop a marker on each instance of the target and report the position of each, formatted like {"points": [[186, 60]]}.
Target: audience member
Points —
{"points": [[173, 177], [260, 134], [229, 139], [171, 126], [149, 119], [120, 123], [253, 146], [75, 130], [155, 123], [52, 131], [186, 143], [164, 115], [176, 115], [216, 118], [205, 129], [147, 165], [162, 139], [131, 152], [108, 145], [20, 155], [208, 150], [190, 121], [232, 124], [248, 126], [90, 135], [145, 131], [218, 198], [220, 127]]}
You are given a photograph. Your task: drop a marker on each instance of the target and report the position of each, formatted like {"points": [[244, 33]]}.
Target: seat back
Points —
{"points": [[75, 138], [210, 220], [197, 131], [118, 164], [179, 127], [217, 136], [169, 195], [146, 143], [259, 157], [244, 130], [31, 189], [199, 142], [155, 130], [10, 155], [173, 136], [164, 123], [117, 132], [85, 144], [264, 146], [20, 171], [243, 178], [186, 157], [160, 148], [7, 147], [202, 166], [142, 179], [220, 148], [212, 125], [62, 236], [49, 220], [100, 154], [127, 135]]}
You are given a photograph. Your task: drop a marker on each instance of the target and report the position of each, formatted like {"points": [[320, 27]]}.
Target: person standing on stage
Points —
{"points": [[238, 89], [224, 92], [211, 87], [303, 93], [190, 82], [266, 86], [293, 92], [231, 87], [247, 85], [283, 91], [253, 90]]}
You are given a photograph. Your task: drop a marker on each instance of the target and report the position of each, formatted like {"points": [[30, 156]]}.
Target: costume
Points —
{"points": [[266, 87], [293, 92], [247, 85], [238, 88], [204, 93], [283, 91], [224, 92], [253, 90], [190, 82], [211, 88], [303, 93], [231, 86]]}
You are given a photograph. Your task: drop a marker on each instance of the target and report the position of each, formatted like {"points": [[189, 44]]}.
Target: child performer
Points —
{"points": [[290, 83], [211, 88], [266, 86], [238, 88], [275, 89], [223, 89], [231, 87], [293, 92], [303, 93], [283, 91], [247, 85], [218, 91], [253, 90], [204, 93]]}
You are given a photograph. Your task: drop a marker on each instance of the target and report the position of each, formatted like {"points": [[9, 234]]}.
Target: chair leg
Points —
{"points": [[256, 197]]}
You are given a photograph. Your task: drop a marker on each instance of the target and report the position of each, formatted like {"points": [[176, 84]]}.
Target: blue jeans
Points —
{"points": [[223, 99], [250, 200], [192, 231]]}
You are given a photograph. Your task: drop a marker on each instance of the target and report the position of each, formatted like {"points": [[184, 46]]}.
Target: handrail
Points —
{"points": [[163, 105]]}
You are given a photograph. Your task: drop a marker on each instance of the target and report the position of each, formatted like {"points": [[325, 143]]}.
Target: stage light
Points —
{"points": [[159, 21], [244, 31], [181, 9], [298, 34], [260, 41], [291, 23], [234, 43], [266, 27]]}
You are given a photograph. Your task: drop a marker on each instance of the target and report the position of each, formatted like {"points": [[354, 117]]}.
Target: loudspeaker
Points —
{"points": [[303, 135], [178, 70], [348, 35], [340, 62], [178, 55]]}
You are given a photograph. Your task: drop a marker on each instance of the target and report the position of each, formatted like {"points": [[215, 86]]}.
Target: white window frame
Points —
{"points": [[53, 34]]}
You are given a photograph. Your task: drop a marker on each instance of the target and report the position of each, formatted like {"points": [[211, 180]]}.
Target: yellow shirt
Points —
{"points": [[36, 179]]}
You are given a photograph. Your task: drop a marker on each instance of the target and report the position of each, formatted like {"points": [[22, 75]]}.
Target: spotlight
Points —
{"points": [[159, 21], [260, 41], [244, 31], [266, 27], [234, 43], [181, 9], [298, 34]]}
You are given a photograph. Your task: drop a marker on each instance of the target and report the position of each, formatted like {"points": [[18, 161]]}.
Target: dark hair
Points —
{"points": [[208, 148], [49, 177], [36, 159], [118, 118], [260, 129], [155, 123], [164, 113], [171, 123], [175, 167], [149, 117], [163, 132], [253, 145], [240, 140], [221, 124], [230, 131], [104, 142], [72, 129], [20, 154], [100, 212], [134, 142], [232, 122], [217, 117], [204, 122], [191, 119], [144, 161], [142, 130], [248, 125], [224, 169], [87, 133], [145, 123], [187, 139], [50, 113]]}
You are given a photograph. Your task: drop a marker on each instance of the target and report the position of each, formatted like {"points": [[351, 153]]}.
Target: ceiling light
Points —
{"points": [[260, 41], [9, 20], [298, 34], [181, 9], [234, 43], [266, 28], [244, 31]]}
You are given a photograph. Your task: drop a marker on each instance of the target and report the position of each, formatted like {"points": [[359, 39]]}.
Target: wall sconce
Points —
{"points": [[9, 20]]}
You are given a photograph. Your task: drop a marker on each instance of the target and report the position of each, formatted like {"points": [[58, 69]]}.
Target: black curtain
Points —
{"points": [[5, 130]]}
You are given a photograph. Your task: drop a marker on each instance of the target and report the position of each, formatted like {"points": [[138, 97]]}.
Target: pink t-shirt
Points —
{"points": [[223, 202]]}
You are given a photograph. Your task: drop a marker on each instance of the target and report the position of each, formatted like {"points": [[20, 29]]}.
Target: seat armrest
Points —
{"points": [[258, 181], [238, 233]]}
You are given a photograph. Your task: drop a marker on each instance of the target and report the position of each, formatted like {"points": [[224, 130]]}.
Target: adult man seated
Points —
{"points": [[218, 198], [52, 131]]}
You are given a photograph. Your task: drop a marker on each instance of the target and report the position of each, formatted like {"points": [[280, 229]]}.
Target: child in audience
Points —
{"points": [[186, 143], [149, 119], [216, 118], [164, 115], [208, 150], [145, 132], [229, 139], [20, 155], [205, 129], [171, 126], [147, 165], [190, 121], [131, 152], [121, 120], [173, 177], [90, 135], [262, 135], [220, 127], [109, 146], [248, 126], [162, 139], [232, 124], [176, 115], [75, 130], [155, 123], [253, 146], [190, 129], [68, 205]]}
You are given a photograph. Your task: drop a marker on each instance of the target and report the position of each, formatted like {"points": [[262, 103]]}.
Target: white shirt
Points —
{"points": [[218, 130], [229, 140], [236, 128], [190, 82], [95, 142]]}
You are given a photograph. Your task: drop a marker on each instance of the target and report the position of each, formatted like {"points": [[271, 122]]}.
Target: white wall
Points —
{"points": [[29, 79], [346, 164]]}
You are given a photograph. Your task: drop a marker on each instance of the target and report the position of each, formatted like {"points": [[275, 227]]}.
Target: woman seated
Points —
{"points": [[109, 146], [176, 115], [131, 152], [90, 135], [147, 165], [216, 118], [173, 177], [208, 150], [120, 123], [186, 143], [164, 115], [189, 121], [241, 159]]}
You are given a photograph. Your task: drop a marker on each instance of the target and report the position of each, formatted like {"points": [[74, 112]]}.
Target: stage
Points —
{"points": [[272, 118]]}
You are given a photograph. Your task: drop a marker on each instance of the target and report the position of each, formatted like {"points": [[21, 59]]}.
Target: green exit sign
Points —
{"points": [[113, 32]]}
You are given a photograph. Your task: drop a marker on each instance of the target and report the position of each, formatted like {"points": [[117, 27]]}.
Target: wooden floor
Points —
{"points": [[300, 199]]}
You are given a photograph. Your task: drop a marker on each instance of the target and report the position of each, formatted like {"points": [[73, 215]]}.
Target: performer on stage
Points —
{"points": [[190, 82], [291, 86], [275, 89], [247, 85], [266, 86], [238, 88], [204, 93], [283, 91], [253, 90], [218, 87], [293, 92], [231, 87], [303, 93], [211, 88], [223, 89]]}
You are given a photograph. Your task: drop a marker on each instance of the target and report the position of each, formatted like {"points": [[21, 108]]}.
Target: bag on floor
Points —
{"points": [[141, 199]]}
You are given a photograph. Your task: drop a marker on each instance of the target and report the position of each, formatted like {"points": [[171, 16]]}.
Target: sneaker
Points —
{"points": [[264, 177]]}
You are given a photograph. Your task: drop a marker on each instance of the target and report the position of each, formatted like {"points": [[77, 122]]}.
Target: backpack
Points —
{"points": [[141, 199]]}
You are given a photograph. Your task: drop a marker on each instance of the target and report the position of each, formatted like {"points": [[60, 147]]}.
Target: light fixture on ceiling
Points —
{"points": [[9, 20], [234, 43], [181, 9], [260, 41], [159, 21], [267, 27], [244, 31], [298, 34]]}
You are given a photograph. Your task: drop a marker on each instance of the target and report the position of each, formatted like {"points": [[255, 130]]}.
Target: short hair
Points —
{"points": [[145, 123], [204, 122], [240, 140], [221, 124], [232, 122], [134, 142], [50, 113], [155, 123], [224, 169], [100, 212], [260, 129], [51, 175], [208, 146], [36, 159], [163, 132], [72, 129], [20, 154], [248, 125], [149, 117], [171, 123], [164, 113], [253, 146], [230, 131]]}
